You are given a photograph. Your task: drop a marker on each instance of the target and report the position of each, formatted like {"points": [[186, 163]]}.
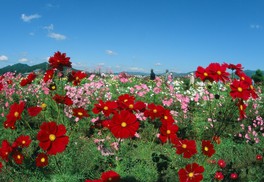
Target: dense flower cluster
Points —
{"points": [[118, 121], [241, 89]]}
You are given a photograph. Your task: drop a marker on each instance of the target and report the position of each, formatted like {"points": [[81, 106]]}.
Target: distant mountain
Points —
{"points": [[251, 72], [24, 68]]}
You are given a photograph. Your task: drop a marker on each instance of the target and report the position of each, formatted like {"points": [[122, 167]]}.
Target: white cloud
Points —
{"points": [[23, 60], [49, 6], [56, 36], [111, 53], [158, 64], [101, 64], [255, 26], [31, 33], [49, 28], [3, 58], [26, 18], [136, 69]]}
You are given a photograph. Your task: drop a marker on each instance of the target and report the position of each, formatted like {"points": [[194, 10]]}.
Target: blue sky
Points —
{"points": [[134, 35]]}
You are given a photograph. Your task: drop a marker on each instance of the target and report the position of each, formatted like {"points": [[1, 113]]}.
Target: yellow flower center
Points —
{"points": [[77, 78], [18, 156], [239, 89], [16, 114], [109, 179], [155, 110], [168, 132], [219, 72], [105, 108], [131, 106], [58, 60], [80, 113], [6, 153], [43, 105], [53, 87], [125, 100], [123, 124], [251, 86], [42, 159], [49, 76], [52, 137], [206, 149], [166, 117], [242, 78], [205, 74], [23, 142], [184, 146], [241, 107], [191, 174]]}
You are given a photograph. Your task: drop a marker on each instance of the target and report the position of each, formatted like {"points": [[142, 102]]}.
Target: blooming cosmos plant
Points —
{"points": [[52, 138], [191, 173]]}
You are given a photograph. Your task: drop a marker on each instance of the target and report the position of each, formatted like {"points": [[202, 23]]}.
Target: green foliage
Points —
{"points": [[137, 159], [258, 76]]}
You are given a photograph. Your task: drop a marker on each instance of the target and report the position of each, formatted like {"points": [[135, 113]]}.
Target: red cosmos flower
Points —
{"points": [[16, 110], [14, 114], [93, 180], [28, 79], [59, 60], [63, 99], [18, 157], [124, 124], [168, 132], [5, 150], [221, 163], [9, 82], [237, 67], [1, 86], [259, 157], [167, 117], [59, 98], [219, 176], [252, 91], [110, 176], [48, 75], [34, 111], [218, 72], [106, 123], [23, 82], [76, 77], [187, 147], [130, 105], [31, 77], [42, 160], [239, 89], [191, 173], [233, 175], [23, 141], [52, 137], [125, 100], [242, 107], [154, 111], [80, 112], [207, 148], [242, 75], [203, 74], [107, 107]]}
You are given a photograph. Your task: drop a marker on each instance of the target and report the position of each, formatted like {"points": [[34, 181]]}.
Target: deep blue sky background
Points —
{"points": [[134, 35]]}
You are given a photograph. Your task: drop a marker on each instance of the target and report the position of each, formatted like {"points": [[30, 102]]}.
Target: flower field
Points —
{"points": [[66, 125]]}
